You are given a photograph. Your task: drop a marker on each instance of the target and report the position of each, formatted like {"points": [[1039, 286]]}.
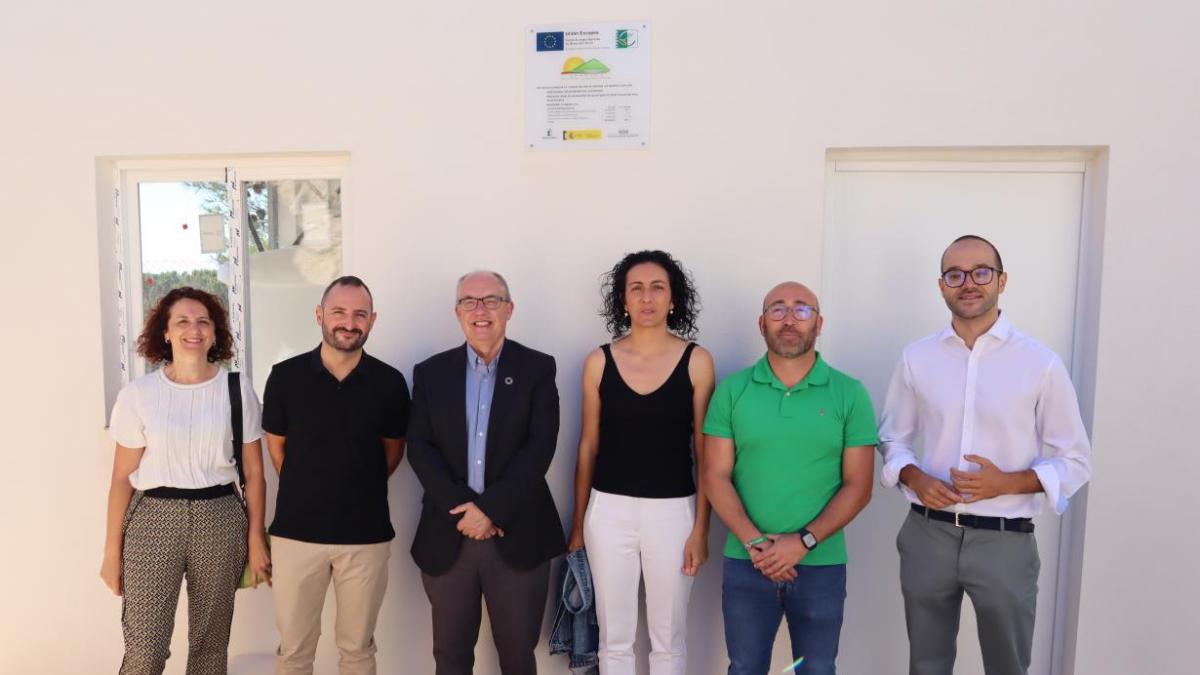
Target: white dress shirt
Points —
{"points": [[1009, 399]]}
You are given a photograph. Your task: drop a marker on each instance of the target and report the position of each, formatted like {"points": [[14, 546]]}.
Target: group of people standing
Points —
{"points": [[783, 451]]}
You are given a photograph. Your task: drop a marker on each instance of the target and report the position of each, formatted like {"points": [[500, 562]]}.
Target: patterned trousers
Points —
{"points": [[167, 541]]}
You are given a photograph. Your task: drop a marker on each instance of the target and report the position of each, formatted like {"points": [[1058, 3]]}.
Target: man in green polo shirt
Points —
{"points": [[788, 457]]}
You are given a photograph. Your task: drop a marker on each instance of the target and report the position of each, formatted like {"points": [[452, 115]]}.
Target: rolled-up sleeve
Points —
{"points": [[898, 426], [1065, 464]]}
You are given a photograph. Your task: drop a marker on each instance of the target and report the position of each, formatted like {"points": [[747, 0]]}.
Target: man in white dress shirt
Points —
{"points": [[998, 420]]}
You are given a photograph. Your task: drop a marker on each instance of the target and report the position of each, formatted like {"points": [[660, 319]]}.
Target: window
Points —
{"points": [[264, 235]]}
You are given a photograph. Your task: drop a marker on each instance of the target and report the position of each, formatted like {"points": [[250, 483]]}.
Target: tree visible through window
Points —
{"points": [[291, 245]]}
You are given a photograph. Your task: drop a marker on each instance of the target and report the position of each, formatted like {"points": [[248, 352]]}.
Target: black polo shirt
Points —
{"points": [[333, 486]]}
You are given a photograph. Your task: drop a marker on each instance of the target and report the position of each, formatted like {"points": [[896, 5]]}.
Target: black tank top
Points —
{"points": [[645, 441]]}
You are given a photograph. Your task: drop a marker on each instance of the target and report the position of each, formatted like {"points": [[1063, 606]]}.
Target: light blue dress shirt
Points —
{"points": [[481, 384]]}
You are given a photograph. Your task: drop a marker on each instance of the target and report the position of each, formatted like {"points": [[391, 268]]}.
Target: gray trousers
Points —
{"points": [[998, 570], [516, 602], [166, 542]]}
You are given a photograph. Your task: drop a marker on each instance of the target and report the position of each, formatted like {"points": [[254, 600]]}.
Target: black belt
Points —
{"points": [[980, 522], [184, 493]]}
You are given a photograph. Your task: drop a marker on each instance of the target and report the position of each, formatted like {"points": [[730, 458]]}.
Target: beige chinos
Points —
{"points": [[302, 572]]}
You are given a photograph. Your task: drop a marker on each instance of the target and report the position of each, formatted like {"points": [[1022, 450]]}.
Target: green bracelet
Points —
{"points": [[756, 541]]}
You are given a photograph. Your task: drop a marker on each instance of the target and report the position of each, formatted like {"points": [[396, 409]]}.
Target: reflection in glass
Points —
{"points": [[294, 239], [174, 250]]}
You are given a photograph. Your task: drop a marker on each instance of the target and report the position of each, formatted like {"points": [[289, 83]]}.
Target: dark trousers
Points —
{"points": [[754, 605], [516, 601]]}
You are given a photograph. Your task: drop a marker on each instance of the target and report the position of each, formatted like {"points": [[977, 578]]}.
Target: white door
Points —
{"points": [[887, 224]]}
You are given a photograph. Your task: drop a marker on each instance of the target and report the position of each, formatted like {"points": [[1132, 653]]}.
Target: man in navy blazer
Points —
{"points": [[482, 432]]}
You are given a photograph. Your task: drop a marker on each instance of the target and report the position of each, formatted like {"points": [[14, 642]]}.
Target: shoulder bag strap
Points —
{"points": [[235, 415]]}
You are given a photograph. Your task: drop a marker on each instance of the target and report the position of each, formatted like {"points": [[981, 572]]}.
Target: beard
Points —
{"points": [[344, 340], [793, 349]]}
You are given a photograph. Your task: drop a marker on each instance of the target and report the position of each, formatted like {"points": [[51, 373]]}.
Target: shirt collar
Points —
{"points": [[318, 366], [999, 331], [474, 362], [314, 361], [818, 375]]}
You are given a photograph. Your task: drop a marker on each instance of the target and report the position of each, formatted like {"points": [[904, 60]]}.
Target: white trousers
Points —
{"points": [[629, 538]]}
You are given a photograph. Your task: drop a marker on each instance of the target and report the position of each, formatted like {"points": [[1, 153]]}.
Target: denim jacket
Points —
{"points": [[576, 630]]}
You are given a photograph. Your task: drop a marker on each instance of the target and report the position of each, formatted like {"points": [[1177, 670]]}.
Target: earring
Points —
{"points": [[671, 311]]}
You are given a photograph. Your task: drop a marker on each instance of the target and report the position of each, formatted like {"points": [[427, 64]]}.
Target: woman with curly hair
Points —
{"points": [[638, 506], [173, 513]]}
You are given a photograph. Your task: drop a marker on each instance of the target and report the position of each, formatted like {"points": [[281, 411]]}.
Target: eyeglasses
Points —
{"points": [[982, 276], [779, 312], [468, 303]]}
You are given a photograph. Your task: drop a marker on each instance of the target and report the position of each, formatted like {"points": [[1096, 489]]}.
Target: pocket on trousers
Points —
{"points": [[593, 504], [900, 535], [134, 503], [1035, 558], [739, 576]]}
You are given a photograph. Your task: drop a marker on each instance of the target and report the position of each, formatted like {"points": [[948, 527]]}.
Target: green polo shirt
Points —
{"points": [[788, 445]]}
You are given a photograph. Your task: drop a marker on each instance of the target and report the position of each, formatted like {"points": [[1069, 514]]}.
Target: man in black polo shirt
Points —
{"points": [[335, 419]]}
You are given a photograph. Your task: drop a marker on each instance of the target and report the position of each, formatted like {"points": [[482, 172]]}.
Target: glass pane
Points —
{"points": [[294, 239], [183, 240]]}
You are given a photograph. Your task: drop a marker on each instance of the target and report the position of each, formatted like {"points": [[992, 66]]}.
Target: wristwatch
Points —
{"points": [[807, 538]]}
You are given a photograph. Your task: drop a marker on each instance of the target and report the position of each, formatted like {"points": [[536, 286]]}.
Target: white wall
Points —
{"points": [[427, 100]]}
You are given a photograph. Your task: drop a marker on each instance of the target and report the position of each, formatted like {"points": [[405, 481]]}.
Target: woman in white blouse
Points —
{"points": [[173, 512]]}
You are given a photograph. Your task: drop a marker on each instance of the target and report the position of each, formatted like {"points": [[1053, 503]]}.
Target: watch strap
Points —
{"points": [[805, 536]]}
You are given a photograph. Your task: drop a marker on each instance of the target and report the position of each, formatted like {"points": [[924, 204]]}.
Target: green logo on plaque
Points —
{"points": [[626, 39], [577, 66]]}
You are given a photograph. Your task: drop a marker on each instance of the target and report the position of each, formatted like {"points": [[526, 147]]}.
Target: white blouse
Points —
{"points": [[185, 429]]}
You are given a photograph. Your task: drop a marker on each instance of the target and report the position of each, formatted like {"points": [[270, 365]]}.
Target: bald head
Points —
{"points": [[790, 335], [973, 243], [791, 292]]}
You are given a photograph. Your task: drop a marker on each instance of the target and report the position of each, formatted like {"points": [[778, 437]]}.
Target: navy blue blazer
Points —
{"points": [[521, 439]]}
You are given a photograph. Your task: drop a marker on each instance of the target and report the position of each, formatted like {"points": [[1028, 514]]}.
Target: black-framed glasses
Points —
{"points": [[469, 303], [982, 276], [779, 312]]}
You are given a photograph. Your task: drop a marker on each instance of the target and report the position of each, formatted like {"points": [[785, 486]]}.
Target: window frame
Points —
{"points": [[129, 174]]}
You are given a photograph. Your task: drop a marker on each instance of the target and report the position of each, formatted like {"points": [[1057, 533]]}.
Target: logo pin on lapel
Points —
{"points": [[508, 380], [821, 412]]}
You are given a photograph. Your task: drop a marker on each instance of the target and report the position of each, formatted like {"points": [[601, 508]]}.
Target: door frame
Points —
{"points": [[1093, 162]]}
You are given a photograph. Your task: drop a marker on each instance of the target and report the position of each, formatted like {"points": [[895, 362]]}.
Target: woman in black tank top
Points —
{"points": [[637, 506]]}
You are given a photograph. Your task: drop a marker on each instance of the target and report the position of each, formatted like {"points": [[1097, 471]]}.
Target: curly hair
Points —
{"points": [[152, 346], [686, 301]]}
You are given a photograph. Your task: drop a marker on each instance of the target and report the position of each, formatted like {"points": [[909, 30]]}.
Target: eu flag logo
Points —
{"points": [[550, 42]]}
